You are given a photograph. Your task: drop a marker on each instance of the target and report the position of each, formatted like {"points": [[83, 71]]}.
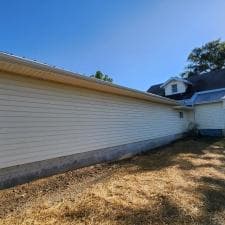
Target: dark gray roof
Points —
{"points": [[204, 82]]}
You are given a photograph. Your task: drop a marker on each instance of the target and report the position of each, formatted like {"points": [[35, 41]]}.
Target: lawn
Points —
{"points": [[183, 183]]}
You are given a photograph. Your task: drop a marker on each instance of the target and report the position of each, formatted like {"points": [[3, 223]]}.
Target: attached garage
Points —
{"points": [[53, 120]]}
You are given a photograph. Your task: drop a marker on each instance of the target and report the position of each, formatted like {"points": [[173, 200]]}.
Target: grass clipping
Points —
{"points": [[183, 183]]}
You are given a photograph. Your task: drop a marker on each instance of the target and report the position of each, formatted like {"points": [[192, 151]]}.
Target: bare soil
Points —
{"points": [[183, 183]]}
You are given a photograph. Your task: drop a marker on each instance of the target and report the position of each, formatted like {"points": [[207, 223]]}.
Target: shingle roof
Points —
{"points": [[207, 81]]}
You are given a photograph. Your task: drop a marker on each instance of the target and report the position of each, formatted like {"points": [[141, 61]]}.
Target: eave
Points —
{"points": [[24, 67]]}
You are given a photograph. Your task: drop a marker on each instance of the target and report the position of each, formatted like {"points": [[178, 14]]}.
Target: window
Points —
{"points": [[181, 114], [174, 88]]}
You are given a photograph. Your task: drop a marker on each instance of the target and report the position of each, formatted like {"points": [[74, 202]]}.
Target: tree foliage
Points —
{"points": [[99, 75], [209, 57]]}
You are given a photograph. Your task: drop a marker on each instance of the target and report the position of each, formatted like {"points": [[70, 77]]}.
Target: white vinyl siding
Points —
{"points": [[210, 116], [42, 120], [170, 88]]}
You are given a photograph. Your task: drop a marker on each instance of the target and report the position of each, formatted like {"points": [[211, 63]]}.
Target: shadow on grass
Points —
{"points": [[169, 155], [167, 210], [166, 156], [167, 213], [97, 210], [213, 190], [179, 155]]}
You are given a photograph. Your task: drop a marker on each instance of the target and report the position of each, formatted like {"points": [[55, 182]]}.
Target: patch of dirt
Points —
{"points": [[183, 183]]}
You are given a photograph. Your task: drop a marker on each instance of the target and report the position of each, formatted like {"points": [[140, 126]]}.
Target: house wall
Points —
{"points": [[210, 117], [190, 118], [42, 120], [181, 87]]}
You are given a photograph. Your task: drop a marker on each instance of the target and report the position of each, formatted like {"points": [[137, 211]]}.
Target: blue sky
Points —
{"points": [[137, 42]]}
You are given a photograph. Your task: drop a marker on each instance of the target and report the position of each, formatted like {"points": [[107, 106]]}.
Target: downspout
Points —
{"points": [[193, 112], [224, 115]]}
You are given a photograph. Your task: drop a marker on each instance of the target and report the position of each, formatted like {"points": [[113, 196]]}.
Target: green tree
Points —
{"points": [[209, 57], [99, 75]]}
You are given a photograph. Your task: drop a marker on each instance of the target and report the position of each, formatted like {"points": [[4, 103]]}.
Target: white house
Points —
{"points": [[52, 120], [204, 93], [175, 85]]}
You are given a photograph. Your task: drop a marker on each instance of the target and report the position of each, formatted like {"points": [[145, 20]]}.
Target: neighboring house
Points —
{"points": [[205, 93]]}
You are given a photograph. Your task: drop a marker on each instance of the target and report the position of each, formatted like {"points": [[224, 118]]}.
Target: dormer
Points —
{"points": [[175, 85]]}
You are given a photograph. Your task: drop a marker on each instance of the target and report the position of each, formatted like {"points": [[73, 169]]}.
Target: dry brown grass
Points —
{"points": [[183, 183]]}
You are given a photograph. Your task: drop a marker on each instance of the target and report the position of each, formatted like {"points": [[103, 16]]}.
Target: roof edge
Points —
{"points": [[183, 107], [11, 63], [196, 94], [209, 102]]}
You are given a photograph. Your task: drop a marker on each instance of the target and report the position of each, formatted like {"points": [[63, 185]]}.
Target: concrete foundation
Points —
{"points": [[212, 132], [15, 175]]}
